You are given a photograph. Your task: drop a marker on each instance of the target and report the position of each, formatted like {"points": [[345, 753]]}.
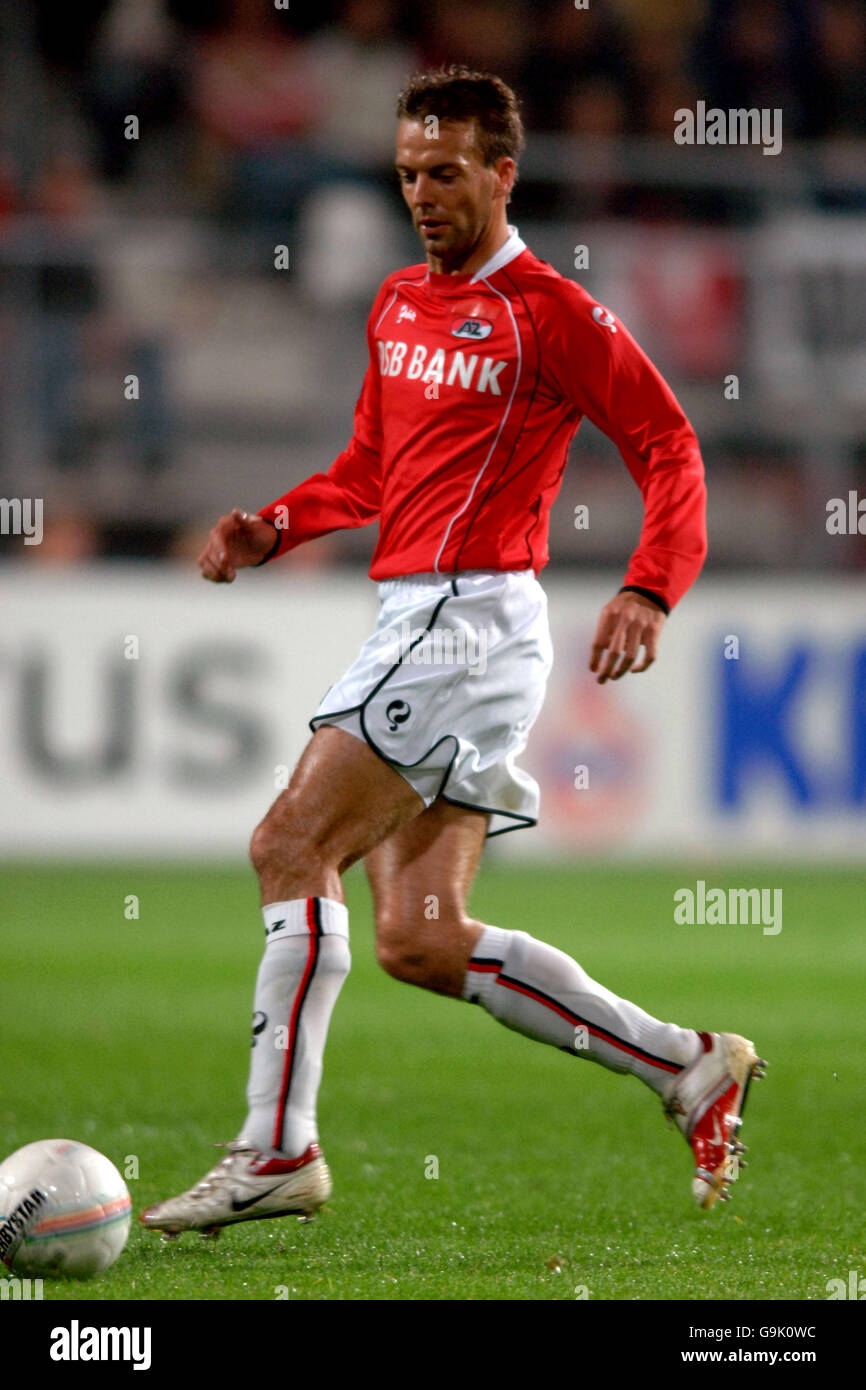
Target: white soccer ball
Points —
{"points": [[64, 1209]]}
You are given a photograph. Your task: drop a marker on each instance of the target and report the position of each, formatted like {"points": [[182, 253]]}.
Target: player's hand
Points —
{"points": [[626, 624], [234, 543]]}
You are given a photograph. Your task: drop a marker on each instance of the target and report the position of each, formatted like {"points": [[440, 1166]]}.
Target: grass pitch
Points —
{"points": [[554, 1175]]}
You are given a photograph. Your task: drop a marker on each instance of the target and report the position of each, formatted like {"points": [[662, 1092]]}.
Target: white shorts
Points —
{"points": [[449, 685]]}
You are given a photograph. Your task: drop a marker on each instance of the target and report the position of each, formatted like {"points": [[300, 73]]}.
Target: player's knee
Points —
{"points": [[426, 960], [284, 851], [402, 962], [400, 955], [264, 848]]}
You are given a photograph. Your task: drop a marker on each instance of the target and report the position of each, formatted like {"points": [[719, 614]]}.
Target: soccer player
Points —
{"points": [[483, 360]]}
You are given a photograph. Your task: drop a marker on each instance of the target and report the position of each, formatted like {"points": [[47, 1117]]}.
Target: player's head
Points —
{"points": [[458, 141]]}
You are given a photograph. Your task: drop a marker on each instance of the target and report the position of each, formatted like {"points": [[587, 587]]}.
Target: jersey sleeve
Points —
{"points": [[597, 365], [348, 495]]}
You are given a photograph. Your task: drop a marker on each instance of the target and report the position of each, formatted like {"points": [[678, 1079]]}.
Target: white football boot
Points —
{"points": [[706, 1103], [245, 1186]]}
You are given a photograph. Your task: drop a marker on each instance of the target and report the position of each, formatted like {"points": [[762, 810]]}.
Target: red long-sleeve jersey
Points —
{"points": [[475, 387]]}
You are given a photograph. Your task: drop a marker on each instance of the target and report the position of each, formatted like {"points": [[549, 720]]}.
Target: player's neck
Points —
{"points": [[492, 241]]}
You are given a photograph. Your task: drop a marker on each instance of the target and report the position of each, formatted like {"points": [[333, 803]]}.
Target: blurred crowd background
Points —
{"points": [[146, 249]]}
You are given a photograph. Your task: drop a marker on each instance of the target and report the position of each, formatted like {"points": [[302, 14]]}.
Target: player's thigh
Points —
{"points": [[420, 878], [341, 801]]}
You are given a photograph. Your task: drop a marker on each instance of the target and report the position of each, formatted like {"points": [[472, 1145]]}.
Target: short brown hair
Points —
{"points": [[456, 93]]}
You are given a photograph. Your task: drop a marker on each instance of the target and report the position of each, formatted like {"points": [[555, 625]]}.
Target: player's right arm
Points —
{"points": [[347, 496]]}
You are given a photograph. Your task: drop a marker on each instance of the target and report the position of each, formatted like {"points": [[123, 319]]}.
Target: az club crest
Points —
{"points": [[472, 328]]}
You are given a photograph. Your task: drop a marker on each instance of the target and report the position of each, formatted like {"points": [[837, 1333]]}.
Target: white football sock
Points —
{"points": [[305, 962], [540, 991]]}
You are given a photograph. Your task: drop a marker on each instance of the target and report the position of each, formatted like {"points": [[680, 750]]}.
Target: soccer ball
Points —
{"points": [[64, 1209]]}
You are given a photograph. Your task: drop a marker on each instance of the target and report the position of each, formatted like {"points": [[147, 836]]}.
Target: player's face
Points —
{"points": [[452, 196]]}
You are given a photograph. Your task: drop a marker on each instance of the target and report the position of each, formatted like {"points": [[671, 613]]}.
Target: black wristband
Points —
{"points": [[646, 593], [273, 550]]}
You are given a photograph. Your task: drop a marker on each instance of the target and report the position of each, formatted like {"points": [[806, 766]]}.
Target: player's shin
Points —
{"points": [[541, 992], [305, 962]]}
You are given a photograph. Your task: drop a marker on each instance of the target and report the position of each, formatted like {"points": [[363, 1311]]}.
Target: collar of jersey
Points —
{"points": [[507, 252]]}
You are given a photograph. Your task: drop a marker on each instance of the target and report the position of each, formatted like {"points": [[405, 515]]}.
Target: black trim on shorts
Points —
{"points": [[523, 822], [359, 709]]}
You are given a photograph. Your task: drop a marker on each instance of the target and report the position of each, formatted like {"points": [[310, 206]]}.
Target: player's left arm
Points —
{"points": [[602, 370], [627, 623]]}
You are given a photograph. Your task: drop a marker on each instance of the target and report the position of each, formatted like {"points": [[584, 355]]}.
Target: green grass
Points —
{"points": [[553, 1173]]}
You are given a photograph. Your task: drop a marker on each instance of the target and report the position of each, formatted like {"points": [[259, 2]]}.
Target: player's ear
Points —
{"points": [[506, 173]]}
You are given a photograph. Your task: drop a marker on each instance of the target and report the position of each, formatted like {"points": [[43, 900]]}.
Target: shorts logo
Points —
{"points": [[397, 713], [473, 328]]}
